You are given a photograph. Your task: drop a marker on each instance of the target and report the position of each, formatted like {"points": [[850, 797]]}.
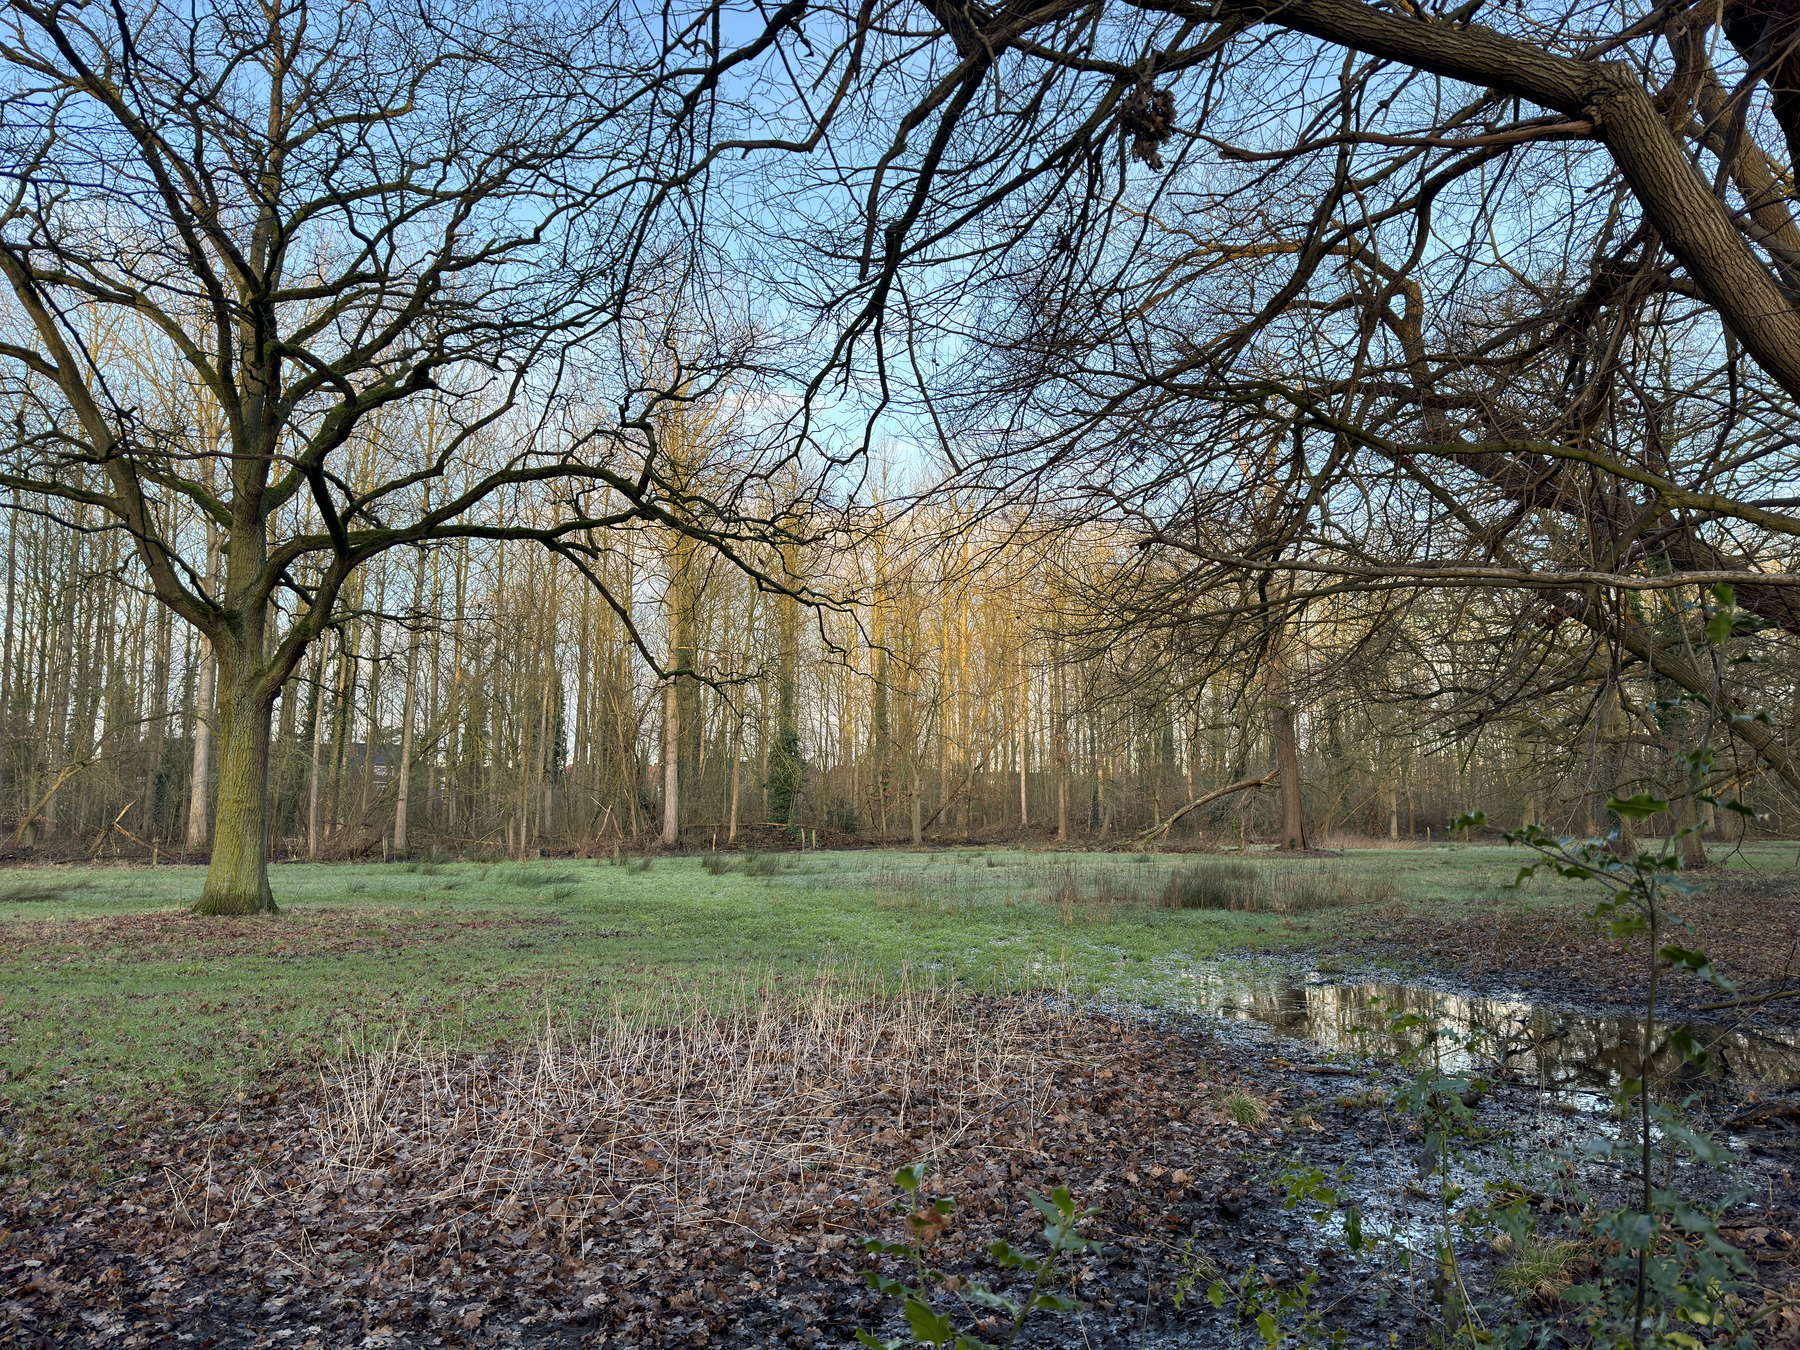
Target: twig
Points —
{"points": [[1747, 1002]]}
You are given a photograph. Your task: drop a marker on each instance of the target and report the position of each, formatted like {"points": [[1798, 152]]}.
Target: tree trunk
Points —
{"points": [[737, 764], [404, 787], [203, 720], [1024, 751], [1062, 786], [1287, 755], [237, 882], [318, 741], [671, 830]]}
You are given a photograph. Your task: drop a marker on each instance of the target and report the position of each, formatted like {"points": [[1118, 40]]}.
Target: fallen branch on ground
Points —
{"points": [[1213, 796]]}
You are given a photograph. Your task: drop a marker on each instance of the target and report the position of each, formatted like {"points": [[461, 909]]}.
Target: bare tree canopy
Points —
{"points": [[1346, 296], [324, 278]]}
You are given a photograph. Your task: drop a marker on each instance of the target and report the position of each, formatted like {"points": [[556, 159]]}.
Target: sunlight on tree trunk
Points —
{"points": [[199, 814]]}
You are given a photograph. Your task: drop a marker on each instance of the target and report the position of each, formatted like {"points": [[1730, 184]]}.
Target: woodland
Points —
{"points": [[663, 664], [403, 461]]}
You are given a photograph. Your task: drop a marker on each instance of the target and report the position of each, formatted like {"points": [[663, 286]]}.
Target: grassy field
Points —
{"points": [[110, 991]]}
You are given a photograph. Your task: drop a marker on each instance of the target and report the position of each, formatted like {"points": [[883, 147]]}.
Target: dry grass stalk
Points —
{"points": [[714, 1120]]}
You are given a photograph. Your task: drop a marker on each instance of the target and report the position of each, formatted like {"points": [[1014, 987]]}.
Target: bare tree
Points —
{"points": [[321, 212], [1367, 296]]}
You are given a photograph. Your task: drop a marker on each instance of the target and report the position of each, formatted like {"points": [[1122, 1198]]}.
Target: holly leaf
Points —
{"points": [[1006, 1257], [1692, 1052], [1640, 807], [928, 1325]]}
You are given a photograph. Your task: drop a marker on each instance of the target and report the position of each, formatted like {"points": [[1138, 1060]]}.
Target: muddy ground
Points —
{"points": [[710, 1186]]}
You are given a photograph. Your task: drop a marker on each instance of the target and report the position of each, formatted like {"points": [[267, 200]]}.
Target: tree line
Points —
{"points": [[970, 684]]}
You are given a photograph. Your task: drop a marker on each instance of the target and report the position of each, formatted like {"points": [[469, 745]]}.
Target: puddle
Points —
{"points": [[1573, 1056]]}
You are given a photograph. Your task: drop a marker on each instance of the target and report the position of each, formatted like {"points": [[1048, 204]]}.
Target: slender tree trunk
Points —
{"points": [[199, 815], [1284, 743], [737, 764], [404, 787], [318, 744], [1024, 752], [1690, 848], [6, 636], [1287, 755], [671, 830], [1062, 786], [365, 786]]}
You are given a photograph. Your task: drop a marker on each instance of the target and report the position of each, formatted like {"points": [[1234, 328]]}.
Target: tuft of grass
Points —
{"points": [[1271, 889], [1245, 1109], [1215, 885], [43, 892], [1541, 1270], [554, 879], [751, 864]]}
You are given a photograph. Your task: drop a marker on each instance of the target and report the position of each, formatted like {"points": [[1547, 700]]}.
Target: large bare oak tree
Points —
{"points": [[338, 225]]}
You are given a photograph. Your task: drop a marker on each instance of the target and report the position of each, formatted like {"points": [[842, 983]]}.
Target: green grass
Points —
{"points": [[1541, 1269], [110, 991]]}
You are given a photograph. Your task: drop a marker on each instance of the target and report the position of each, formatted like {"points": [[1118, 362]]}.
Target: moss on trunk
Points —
{"points": [[237, 882]]}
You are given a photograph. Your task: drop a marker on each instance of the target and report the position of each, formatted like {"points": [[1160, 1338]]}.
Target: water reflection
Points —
{"points": [[1565, 1053]]}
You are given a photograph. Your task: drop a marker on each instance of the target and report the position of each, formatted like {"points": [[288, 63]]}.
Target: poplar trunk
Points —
{"points": [[204, 698]]}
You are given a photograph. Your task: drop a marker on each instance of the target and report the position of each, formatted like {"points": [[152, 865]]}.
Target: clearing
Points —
{"points": [[572, 1101]]}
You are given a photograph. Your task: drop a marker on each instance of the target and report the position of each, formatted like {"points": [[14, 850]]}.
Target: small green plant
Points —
{"points": [[642, 863], [1664, 1266], [1196, 1268], [925, 1223], [1279, 1312]]}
